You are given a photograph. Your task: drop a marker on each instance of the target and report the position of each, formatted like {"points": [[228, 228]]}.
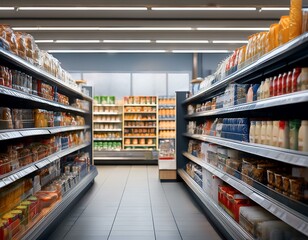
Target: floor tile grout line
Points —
{"points": [[172, 212], [115, 217], [104, 181], [151, 202]]}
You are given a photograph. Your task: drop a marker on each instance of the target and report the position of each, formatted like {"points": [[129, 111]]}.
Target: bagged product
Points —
{"points": [[273, 37], [305, 21], [295, 18], [283, 33]]}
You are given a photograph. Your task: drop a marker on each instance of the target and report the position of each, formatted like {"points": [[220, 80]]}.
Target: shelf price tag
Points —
{"points": [[43, 163], [26, 133], [9, 135]]}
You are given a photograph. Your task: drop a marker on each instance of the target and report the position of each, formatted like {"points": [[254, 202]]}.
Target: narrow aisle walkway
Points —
{"points": [[130, 203]]}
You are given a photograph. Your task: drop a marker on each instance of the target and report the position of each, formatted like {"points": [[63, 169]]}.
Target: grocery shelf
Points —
{"points": [[39, 73], [13, 176], [107, 113], [37, 99], [280, 56], [106, 105], [140, 105], [107, 139], [37, 230], [107, 130], [166, 137], [295, 219], [140, 136], [26, 132], [139, 112], [140, 145], [287, 99], [167, 128], [166, 106], [166, 119], [227, 222], [140, 127], [107, 121], [279, 154], [140, 120]]}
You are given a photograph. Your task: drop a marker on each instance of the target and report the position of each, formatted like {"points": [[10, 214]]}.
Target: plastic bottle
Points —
{"points": [[275, 133], [289, 82], [269, 133], [294, 128], [271, 87], [279, 85], [260, 90], [302, 81], [255, 88], [252, 131], [303, 136], [283, 84], [266, 88], [274, 92], [296, 73], [258, 132], [249, 97], [263, 132], [283, 135]]}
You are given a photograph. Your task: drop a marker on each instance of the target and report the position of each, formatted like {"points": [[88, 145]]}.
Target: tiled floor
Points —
{"points": [[130, 203]]}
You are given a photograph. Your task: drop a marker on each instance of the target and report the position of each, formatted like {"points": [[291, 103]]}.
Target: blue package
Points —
{"points": [[255, 88]]}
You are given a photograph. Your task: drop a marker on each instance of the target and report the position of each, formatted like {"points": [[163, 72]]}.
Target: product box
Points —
{"points": [[167, 164], [251, 216], [167, 174]]}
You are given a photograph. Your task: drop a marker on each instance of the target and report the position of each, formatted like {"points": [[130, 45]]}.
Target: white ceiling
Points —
{"points": [[147, 18]]}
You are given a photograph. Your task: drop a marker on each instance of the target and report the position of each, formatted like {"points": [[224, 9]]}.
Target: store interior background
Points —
{"points": [[132, 74]]}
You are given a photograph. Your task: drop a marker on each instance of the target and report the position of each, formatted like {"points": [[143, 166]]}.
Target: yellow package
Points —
{"points": [[295, 18], [248, 48], [262, 43], [284, 26], [273, 36]]}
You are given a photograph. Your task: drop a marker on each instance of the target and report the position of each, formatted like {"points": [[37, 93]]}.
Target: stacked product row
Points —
{"points": [[23, 45], [140, 100], [38, 118], [30, 199], [289, 180], [293, 81], [291, 134], [20, 81], [23, 153], [288, 28], [107, 146], [104, 100]]}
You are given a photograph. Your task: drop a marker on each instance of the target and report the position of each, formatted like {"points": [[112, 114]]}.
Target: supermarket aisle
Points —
{"points": [[130, 203]]}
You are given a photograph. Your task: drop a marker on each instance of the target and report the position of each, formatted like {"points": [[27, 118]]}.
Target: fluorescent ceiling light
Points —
{"points": [[83, 8], [102, 28], [233, 28], [201, 51], [127, 41], [204, 8], [77, 41], [229, 41], [7, 8], [107, 51], [274, 9], [44, 41], [182, 41]]}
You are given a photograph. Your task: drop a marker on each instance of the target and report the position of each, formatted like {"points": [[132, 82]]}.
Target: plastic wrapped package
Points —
{"points": [[8, 35], [241, 57], [21, 44], [251, 216], [284, 27], [305, 21], [272, 37], [295, 18]]}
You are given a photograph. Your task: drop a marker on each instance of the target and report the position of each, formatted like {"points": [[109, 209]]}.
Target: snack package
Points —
{"points": [[295, 18], [272, 37], [283, 33]]}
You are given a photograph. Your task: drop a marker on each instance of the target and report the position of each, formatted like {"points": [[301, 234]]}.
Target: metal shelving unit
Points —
{"points": [[279, 154], [60, 207], [13, 98], [229, 226], [295, 219], [288, 106]]}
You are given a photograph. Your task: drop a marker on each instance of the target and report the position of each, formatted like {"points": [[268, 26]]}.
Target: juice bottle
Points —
{"points": [[294, 128], [275, 133], [279, 85], [269, 133], [263, 132], [274, 92], [303, 136], [258, 132], [283, 135], [302, 80], [283, 84], [295, 85], [289, 82], [252, 131]]}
